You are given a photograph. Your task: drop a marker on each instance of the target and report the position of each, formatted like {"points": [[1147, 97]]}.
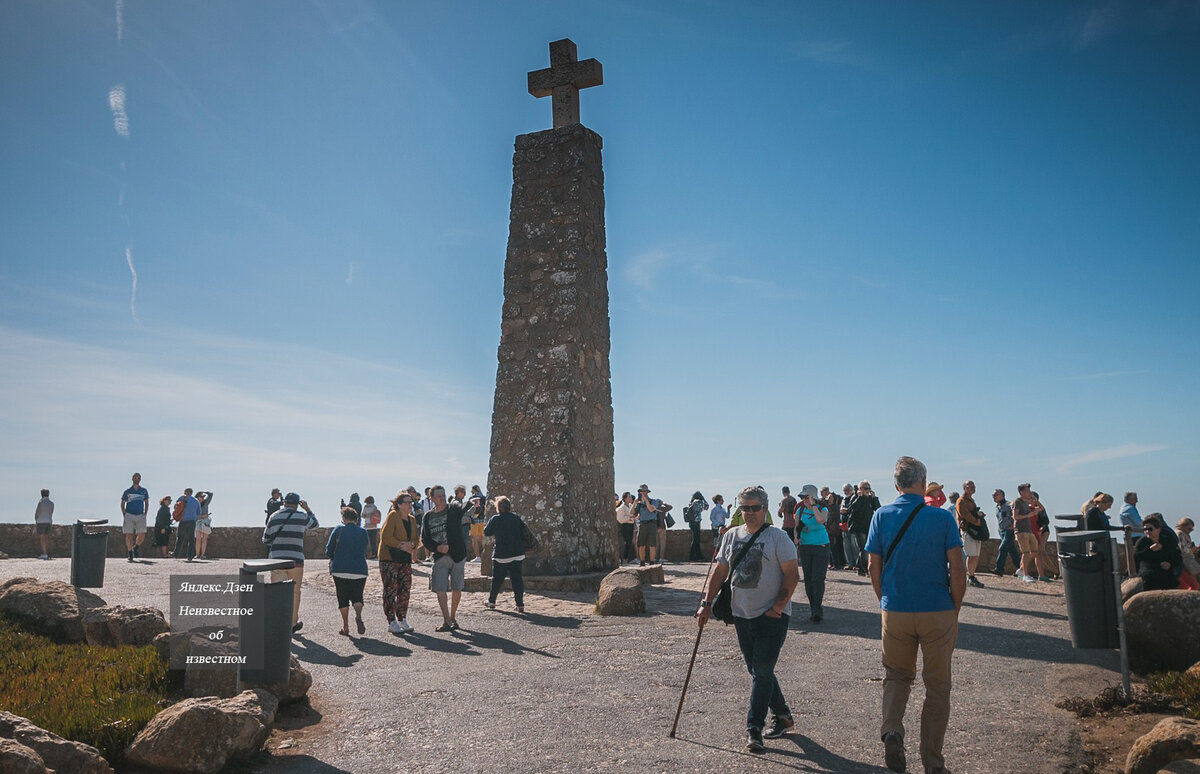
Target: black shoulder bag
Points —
{"points": [[900, 534], [722, 606]]}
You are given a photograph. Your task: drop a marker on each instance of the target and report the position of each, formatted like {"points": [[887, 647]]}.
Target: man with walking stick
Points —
{"points": [[760, 562]]}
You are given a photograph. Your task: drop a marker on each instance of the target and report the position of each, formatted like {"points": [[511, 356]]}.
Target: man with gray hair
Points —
{"points": [[909, 546], [760, 561]]}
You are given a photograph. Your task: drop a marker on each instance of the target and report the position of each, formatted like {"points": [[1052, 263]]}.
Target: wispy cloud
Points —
{"points": [[644, 269], [1101, 23], [827, 52], [120, 20], [133, 290], [1106, 375], [350, 274], [1107, 454], [116, 103]]}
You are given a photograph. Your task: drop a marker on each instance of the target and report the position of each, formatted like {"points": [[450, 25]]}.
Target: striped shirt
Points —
{"points": [[285, 534]]}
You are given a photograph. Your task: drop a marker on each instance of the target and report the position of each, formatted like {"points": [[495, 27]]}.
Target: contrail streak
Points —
{"points": [[133, 292], [116, 103], [120, 19]]}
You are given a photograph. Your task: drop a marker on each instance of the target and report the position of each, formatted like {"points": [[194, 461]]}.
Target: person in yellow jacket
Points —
{"points": [[398, 541]]}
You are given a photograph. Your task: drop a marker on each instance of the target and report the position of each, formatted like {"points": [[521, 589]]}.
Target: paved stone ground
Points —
{"points": [[561, 689]]}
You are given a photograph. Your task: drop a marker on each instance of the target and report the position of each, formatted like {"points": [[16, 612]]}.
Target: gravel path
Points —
{"points": [[561, 689]]}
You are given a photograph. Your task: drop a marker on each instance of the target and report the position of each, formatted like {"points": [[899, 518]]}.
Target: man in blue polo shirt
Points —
{"points": [[920, 578], [133, 515]]}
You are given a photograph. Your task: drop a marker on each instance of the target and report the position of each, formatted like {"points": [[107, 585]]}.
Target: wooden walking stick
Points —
{"points": [[699, 631]]}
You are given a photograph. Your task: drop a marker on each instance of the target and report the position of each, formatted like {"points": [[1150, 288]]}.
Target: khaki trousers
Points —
{"points": [[295, 574], [934, 634]]}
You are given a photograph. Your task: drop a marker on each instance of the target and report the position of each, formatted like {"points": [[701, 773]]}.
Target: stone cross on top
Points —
{"points": [[563, 80]]}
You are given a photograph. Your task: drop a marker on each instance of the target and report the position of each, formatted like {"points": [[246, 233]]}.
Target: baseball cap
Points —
{"points": [[291, 499]]}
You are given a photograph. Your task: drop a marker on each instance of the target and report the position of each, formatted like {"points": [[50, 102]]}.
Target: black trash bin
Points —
{"points": [[1085, 559], [267, 633], [88, 550]]}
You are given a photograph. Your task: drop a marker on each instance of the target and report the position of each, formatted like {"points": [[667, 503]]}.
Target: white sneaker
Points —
{"points": [[44, 556], [396, 627], [476, 560], [404, 626]]}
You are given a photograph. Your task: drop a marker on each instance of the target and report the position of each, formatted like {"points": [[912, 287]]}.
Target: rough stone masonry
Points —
{"points": [[552, 421]]}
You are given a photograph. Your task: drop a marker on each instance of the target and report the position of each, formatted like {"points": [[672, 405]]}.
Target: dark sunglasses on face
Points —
{"points": [[752, 508]]}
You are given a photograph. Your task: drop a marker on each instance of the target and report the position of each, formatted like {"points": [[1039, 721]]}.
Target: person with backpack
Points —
{"points": [[692, 516], [862, 507]]}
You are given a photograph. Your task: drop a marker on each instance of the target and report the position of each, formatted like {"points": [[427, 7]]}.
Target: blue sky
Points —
{"points": [[837, 232]]}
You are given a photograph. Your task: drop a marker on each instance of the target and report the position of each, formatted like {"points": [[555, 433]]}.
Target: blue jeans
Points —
{"points": [[1008, 546], [761, 640]]}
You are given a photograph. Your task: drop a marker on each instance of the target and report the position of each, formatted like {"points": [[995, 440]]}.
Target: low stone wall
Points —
{"points": [[246, 543], [223, 543]]}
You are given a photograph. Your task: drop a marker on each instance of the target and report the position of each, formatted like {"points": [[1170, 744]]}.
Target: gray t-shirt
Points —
{"points": [[757, 578]]}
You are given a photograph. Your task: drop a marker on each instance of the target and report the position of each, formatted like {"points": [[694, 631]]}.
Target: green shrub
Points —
{"points": [[97, 695], [1182, 686]]}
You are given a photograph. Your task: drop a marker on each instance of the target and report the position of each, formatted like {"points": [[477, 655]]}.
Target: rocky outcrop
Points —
{"points": [[1162, 630], [52, 608], [1131, 586], [1171, 740], [115, 625], [203, 735], [16, 758], [621, 594], [55, 752]]}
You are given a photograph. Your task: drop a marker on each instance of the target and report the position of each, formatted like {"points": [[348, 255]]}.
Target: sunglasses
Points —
{"points": [[752, 508]]}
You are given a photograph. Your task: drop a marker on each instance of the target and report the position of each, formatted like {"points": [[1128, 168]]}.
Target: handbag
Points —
{"points": [[722, 606], [670, 521], [528, 540]]}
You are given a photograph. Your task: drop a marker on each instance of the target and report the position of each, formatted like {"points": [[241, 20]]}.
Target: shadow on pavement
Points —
{"points": [[502, 644], [306, 650], [795, 752], [302, 764], [374, 647]]}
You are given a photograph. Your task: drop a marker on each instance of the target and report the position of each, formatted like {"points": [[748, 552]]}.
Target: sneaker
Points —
{"points": [[1044, 579], [754, 739], [404, 626], [893, 753], [296, 626], [44, 556], [971, 579], [490, 605], [395, 628], [136, 553], [1028, 579], [521, 609], [131, 556], [779, 726]]}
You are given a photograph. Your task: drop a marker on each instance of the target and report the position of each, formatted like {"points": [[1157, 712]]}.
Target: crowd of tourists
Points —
{"points": [[440, 531]]}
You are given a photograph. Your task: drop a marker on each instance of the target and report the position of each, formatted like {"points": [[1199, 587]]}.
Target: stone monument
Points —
{"points": [[552, 420]]}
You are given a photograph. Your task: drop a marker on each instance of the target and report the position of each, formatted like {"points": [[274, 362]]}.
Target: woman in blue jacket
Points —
{"points": [[347, 552], [508, 552]]}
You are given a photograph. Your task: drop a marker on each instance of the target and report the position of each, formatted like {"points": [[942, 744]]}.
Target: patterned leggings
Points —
{"points": [[397, 583]]}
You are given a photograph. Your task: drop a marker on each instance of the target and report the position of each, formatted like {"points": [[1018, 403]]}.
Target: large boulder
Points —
{"points": [[1171, 740], [1131, 586], [1162, 630], [117, 625], [621, 594], [16, 758], [203, 735], [294, 688], [55, 752], [52, 608]]}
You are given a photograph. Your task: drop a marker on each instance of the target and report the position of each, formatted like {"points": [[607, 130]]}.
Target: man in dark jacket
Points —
{"points": [[508, 552], [442, 535], [863, 505]]}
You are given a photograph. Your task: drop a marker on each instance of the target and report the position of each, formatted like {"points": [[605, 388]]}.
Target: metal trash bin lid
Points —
{"points": [[266, 565], [90, 522]]}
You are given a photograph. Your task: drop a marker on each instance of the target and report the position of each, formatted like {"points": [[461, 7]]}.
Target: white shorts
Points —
{"points": [[971, 546], [134, 524]]}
